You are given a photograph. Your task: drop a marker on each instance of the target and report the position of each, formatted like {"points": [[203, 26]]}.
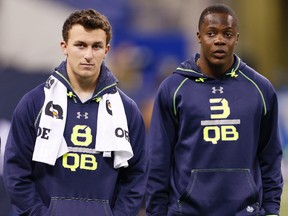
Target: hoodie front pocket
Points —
{"points": [[219, 192], [60, 206]]}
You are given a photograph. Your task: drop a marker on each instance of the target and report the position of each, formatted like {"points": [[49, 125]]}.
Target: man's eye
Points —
{"points": [[97, 46], [211, 34], [229, 34], [80, 45]]}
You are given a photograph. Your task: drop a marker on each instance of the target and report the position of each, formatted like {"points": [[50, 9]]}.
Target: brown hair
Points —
{"points": [[89, 19]]}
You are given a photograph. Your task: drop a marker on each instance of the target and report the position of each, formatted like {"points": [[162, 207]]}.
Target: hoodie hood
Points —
{"points": [[190, 69], [106, 79]]}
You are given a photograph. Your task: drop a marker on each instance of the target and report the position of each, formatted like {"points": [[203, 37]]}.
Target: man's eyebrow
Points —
{"points": [[79, 41], [94, 43], [98, 42], [214, 28]]}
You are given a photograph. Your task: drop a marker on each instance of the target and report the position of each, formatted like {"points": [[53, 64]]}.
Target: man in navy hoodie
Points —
{"points": [[214, 144], [77, 142]]}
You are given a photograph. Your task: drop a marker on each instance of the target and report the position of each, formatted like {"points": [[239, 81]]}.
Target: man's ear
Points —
{"points": [[237, 38], [198, 38], [107, 49], [64, 47]]}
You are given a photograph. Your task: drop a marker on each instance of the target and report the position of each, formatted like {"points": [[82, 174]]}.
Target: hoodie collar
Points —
{"points": [[189, 69]]}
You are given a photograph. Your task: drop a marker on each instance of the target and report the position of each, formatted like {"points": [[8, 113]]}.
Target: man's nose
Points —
{"points": [[219, 39], [88, 53]]}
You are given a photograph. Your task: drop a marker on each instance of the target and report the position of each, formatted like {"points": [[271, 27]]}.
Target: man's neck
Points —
{"points": [[212, 70]]}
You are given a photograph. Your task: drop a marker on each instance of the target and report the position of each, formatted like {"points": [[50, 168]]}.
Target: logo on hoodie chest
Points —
{"points": [[217, 90], [220, 127]]}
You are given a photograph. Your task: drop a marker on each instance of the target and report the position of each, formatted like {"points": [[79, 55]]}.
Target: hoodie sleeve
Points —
{"points": [[133, 179], [270, 156], [18, 161], [162, 136]]}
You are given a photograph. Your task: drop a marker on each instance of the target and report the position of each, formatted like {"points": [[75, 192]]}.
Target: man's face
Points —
{"points": [[85, 51], [218, 36]]}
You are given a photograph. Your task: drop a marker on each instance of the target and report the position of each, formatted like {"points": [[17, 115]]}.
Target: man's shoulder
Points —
{"points": [[254, 75]]}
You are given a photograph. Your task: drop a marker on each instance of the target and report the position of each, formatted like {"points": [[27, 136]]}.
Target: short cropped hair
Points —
{"points": [[89, 19], [217, 8]]}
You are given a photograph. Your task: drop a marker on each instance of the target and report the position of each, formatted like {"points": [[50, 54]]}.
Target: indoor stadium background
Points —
{"points": [[150, 38]]}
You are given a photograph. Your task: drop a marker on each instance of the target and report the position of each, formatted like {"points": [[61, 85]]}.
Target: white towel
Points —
{"points": [[112, 131], [50, 143]]}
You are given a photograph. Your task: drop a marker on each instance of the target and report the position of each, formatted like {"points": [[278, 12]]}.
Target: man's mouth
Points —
{"points": [[87, 65], [219, 53]]}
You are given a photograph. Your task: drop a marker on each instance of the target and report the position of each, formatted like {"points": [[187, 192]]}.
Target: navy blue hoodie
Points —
{"points": [[214, 145], [82, 182]]}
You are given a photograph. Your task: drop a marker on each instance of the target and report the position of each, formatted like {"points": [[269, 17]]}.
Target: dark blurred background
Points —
{"points": [[150, 38]]}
